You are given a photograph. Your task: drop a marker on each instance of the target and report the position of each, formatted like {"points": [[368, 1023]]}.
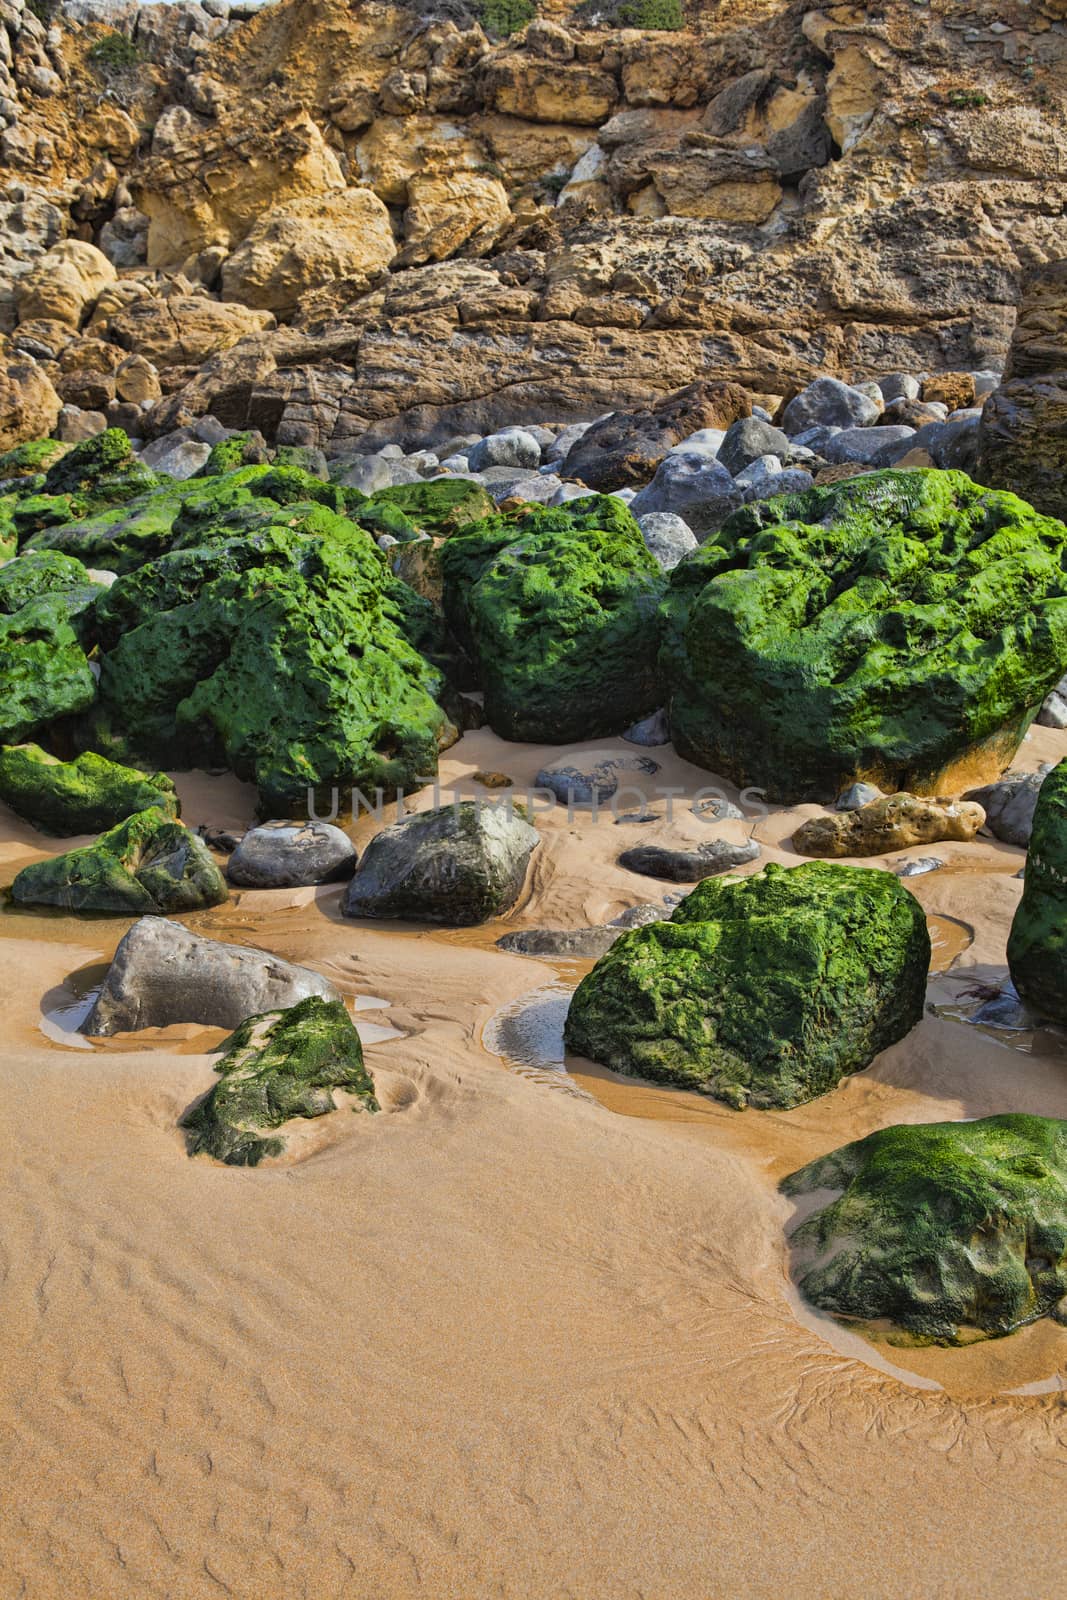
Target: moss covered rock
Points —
{"points": [[279, 1065], [763, 991], [896, 627], [148, 863], [280, 654], [940, 1227], [1037, 944], [439, 506], [87, 795], [30, 459], [178, 515], [46, 602], [560, 612], [103, 471]]}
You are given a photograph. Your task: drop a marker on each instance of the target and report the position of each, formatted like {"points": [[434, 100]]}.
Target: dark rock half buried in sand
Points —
{"points": [[939, 1227], [1037, 944], [762, 991], [279, 1065], [689, 866], [283, 855], [460, 864], [162, 973]]}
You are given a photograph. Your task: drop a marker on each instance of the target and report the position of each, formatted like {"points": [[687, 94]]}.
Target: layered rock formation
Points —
{"points": [[461, 232]]}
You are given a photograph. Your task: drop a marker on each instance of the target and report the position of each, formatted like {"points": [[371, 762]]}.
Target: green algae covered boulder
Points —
{"points": [[438, 506], [87, 795], [280, 654], [559, 610], [148, 863], [1037, 944], [762, 991], [102, 471], [46, 605], [940, 1228], [279, 1065], [172, 515], [901, 627], [33, 457]]}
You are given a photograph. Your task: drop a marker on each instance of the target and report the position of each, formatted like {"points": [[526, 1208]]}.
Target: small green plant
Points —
{"points": [[45, 11], [504, 17], [113, 54], [556, 182], [968, 99], [655, 16]]}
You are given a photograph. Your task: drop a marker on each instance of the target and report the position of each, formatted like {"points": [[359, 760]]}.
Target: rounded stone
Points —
{"points": [[288, 855]]}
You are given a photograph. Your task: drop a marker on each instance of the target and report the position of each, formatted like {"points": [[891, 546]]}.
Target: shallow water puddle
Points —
{"points": [[949, 938], [528, 1036]]}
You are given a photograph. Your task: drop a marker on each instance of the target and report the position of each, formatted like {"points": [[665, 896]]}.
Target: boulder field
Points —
{"points": [[900, 626]]}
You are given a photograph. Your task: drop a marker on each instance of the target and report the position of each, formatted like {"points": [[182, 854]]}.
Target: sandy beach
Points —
{"points": [[528, 1334]]}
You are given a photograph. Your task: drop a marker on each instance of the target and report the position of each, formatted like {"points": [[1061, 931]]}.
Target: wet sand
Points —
{"points": [[501, 1340]]}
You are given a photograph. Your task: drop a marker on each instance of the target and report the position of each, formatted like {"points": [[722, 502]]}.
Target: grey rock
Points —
{"points": [[689, 866], [456, 464], [829, 402], [1009, 804], [284, 855], [717, 809], [506, 483], [814, 438], [863, 444], [667, 537], [512, 447], [569, 491], [641, 916], [183, 460], [574, 787], [564, 442], [791, 480], [701, 492], [758, 471], [460, 864], [899, 386], [650, 731], [857, 795], [749, 439], [575, 943], [919, 867], [1005, 1010], [368, 474], [163, 973], [1053, 713], [705, 442]]}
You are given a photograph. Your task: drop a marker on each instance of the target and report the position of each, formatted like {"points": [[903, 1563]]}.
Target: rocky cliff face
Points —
{"points": [[343, 223]]}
